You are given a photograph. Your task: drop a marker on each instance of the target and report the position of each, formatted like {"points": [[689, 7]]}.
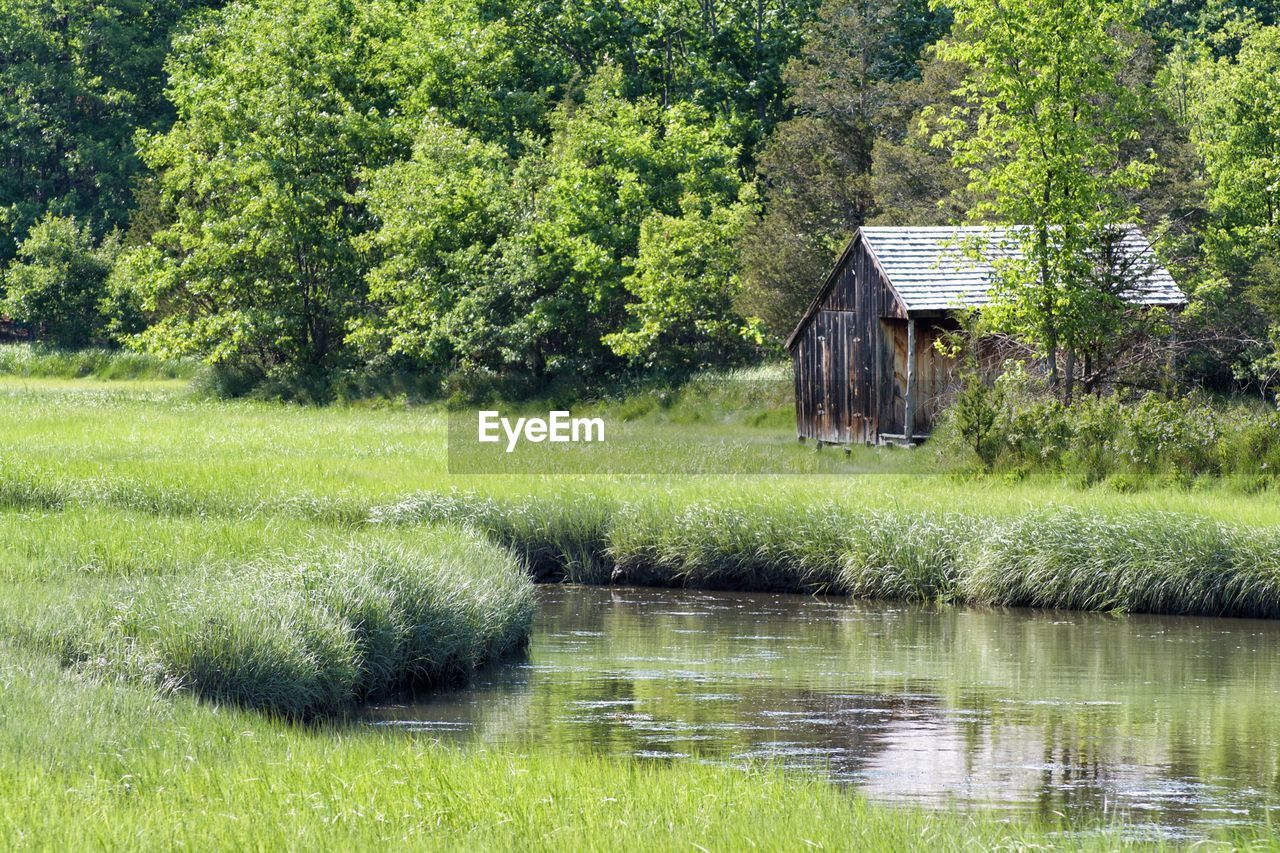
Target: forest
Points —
{"points": [[520, 193]]}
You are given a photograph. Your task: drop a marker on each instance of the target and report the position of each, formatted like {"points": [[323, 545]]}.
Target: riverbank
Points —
{"points": [[1056, 557]]}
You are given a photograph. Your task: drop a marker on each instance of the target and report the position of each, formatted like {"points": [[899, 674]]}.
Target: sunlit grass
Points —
{"points": [[27, 360], [297, 619]]}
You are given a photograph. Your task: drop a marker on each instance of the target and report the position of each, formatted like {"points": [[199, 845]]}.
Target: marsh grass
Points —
{"points": [[156, 547], [292, 617], [310, 636], [37, 361], [555, 537], [1149, 563], [1057, 557]]}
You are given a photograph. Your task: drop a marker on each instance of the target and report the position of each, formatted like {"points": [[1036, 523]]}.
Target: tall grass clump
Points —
{"points": [[556, 537], [911, 556], [822, 547], [1151, 562], [308, 636], [37, 361], [734, 544], [1142, 562]]}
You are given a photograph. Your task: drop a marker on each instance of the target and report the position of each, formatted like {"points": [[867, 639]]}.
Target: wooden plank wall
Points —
{"points": [[935, 373], [843, 361]]}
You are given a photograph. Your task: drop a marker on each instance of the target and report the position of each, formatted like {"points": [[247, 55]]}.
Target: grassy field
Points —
{"points": [[169, 564]]}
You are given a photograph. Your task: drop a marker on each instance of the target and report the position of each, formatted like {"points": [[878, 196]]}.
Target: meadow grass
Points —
{"points": [[892, 536], [38, 361]]}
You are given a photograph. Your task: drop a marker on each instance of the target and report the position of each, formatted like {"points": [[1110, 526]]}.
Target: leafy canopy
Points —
{"points": [[1041, 134]]}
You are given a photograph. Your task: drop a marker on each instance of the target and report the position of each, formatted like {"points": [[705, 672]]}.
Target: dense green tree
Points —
{"points": [[683, 289], [57, 285], [435, 294], [78, 78], [1047, 152], [1235, 120], [280, 109], [913, 181], [725, 56], [816, 167], [1218, 24], [611, 164], [526, 266], [455, 63]]}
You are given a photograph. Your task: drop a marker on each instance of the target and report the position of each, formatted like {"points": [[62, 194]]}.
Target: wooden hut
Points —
{"points": [[866, 368]]}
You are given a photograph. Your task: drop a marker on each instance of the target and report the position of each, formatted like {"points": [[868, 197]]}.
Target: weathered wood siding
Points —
{"points": [[935, 373], [843, 360]]}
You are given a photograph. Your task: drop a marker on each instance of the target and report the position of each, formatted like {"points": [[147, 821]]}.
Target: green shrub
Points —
{"points": [[58, 284], [1102, 439], [976, 419]]}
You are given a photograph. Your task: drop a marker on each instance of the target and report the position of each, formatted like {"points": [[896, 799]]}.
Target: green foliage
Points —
{"points": [[726, 57], [462, 63], [1233, 119], [974, 415], [683, 289], [58, 284], [280, 108], [1238, 133], [491, 265], [1041, 137], [1152, 440], [913, 181], [611, 164], [815, 168], [78, 80], [440, 214]]}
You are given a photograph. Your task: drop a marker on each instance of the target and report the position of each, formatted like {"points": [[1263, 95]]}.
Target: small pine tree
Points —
{"points": [[977, 414]]}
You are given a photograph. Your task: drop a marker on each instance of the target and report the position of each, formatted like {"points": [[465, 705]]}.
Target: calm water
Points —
{"points": [[1167, 721]]}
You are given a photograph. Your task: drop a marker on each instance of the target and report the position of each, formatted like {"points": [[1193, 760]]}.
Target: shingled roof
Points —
{"points": [[932, 269]]}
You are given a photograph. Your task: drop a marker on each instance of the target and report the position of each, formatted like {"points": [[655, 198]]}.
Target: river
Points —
{"points": [[1169, 724]]}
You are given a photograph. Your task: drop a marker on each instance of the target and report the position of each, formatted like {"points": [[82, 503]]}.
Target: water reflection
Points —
{"points": [[1169, 721]]}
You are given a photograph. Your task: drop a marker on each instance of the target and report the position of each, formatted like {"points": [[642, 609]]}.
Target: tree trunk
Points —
{"points": [[1069, 385], [1051, 339]]}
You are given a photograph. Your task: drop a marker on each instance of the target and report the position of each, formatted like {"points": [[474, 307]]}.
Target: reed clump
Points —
{"points": [[1154, 562], [306, 636], [555, 537], [730, 543], [1058, 557]]}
